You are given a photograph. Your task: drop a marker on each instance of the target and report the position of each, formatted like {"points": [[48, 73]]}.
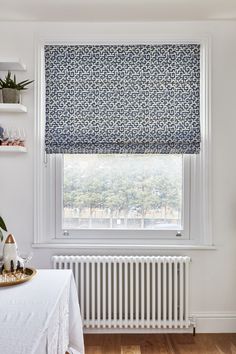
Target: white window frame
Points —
{"points": [[197, 225], [56, 174]]}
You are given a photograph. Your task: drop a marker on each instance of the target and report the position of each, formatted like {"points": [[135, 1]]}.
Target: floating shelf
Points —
{"points": [[11, 64], [12, 107], [12, 149]]}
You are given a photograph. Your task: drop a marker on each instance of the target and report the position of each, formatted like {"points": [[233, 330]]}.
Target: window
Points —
{"points": [[142, 192], [110, 196], [91, 188]]}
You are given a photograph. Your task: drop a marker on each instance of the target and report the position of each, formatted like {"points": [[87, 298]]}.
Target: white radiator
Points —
{"points": [[131, 292]]}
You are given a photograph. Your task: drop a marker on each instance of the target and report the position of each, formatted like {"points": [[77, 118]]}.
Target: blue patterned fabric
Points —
{"points": [[122, 98]]}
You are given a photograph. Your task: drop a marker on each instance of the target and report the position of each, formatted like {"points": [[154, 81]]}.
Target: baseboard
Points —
{"points": [[209, 322], [206, 322], [136, 330]]}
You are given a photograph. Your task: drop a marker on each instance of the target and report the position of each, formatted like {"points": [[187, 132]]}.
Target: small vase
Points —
{"points": [[10, 256], [10, 95]]}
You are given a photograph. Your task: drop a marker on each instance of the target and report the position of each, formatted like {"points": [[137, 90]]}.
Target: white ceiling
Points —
{"points": [[117, 10]]}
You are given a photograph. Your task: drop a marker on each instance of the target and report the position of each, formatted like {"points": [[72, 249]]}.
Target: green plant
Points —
{"points": [[2, 227], [8, 82]]}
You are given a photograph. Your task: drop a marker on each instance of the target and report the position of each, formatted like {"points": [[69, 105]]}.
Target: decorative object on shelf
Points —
{"points": [[18, 277], [11, 89], [12, 137], [2, 228], [1, 99], [1, 134]]}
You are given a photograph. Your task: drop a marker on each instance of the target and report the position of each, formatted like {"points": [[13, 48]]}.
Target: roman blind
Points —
{"points": [[122, 98]]}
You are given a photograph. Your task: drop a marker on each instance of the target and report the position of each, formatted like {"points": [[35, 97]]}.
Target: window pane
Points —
{"points": [[122, 192]]}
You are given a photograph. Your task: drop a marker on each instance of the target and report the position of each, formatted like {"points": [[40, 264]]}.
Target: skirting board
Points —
{"points": [[206, 322], [222, 322]]}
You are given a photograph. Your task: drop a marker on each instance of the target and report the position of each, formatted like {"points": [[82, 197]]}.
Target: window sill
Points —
{"points": [[124, 247]]}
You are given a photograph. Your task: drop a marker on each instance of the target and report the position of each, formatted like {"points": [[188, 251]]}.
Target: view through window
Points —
{"points": [[122, 191]]}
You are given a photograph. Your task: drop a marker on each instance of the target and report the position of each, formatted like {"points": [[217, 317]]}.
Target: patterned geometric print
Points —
{"points": [[123, 98]]}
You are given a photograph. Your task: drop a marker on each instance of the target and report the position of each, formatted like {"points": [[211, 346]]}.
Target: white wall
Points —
{"points": [[213, 273]]}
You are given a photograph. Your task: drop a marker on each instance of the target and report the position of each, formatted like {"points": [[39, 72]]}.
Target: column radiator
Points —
{"points": [[131, 292]]}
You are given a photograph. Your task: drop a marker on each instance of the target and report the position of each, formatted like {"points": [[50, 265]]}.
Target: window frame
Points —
{"points": [[165, 233], [47, 230]]}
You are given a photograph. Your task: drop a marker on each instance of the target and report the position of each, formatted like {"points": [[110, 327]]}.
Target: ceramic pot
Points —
{"points": [[10, 95]]}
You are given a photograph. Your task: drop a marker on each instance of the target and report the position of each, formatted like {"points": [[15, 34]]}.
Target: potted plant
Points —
{"points": [[11, 89], [2, 228]]}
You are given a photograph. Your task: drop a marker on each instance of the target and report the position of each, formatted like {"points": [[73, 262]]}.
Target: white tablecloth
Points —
{"points": [[41, 316]]}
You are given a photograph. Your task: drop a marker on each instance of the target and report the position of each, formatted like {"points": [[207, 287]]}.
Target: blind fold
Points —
{"points": [[122, 99]]}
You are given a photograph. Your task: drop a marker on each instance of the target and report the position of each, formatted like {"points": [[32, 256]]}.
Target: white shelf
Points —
{"points": [[11, 64], [12, 107], [12, 149]]}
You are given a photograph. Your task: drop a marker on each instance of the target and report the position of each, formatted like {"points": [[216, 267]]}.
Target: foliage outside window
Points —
{"points": [[122, 192]]}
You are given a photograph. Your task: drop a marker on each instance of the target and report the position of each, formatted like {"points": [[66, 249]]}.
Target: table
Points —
{"points": [[41, 316]]}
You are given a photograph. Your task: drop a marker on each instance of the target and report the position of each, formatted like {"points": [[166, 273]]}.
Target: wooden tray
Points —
{"points": [[10, 279]]}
